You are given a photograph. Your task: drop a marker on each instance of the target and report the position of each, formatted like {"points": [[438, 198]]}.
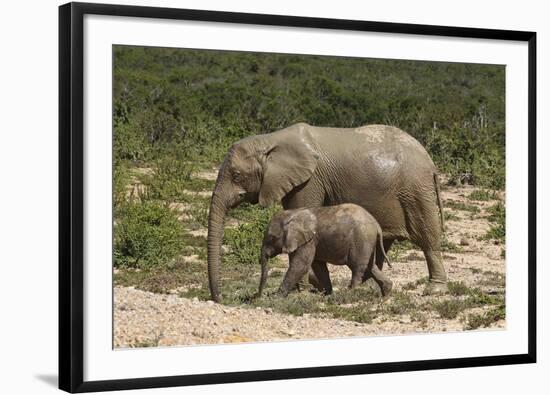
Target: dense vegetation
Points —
{"points": [[203, 101], [178, 110]]}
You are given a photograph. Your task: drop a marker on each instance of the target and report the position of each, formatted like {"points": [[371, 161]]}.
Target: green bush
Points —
{"points": [[146, 234], [170, 176], [487, 318], [449, 246], [198, 213], [129, 144], [498, 218], [455, 205], [450, 309], [399, 248], [458, 288], [482, 195], [245, 241], [121, 178]]}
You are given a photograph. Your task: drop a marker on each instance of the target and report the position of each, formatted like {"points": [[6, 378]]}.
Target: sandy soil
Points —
{"points": [[145, 319]]}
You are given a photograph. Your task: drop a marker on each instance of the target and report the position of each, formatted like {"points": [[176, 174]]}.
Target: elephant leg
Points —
{"points": [[308, 277], [357, 274], [359, 261], [379, 258], [436, 272], [299, 263], [383, 282], [319, 277], [424, 227]]}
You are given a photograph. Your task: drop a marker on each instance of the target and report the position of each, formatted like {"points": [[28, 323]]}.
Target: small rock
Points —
{"points": [[405, 320], [464, 241], [268, 310], [195, 299], [209, 302]]}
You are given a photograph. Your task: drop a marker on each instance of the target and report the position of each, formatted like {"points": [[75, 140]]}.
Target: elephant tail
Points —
{"points": [[381, 241], [439, 202]]}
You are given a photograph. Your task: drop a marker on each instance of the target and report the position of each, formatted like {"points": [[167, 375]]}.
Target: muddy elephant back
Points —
{"points": [[394, 139]]}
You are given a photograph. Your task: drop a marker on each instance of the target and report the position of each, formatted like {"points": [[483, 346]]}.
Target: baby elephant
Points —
{"points": [[342, 235]]}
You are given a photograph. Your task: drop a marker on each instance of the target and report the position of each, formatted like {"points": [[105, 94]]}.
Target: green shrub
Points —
{"points": [[498, 217], [450, 308], [482, 195], [198, 213], [462, 206], [170, 176], [121, 178], [400, 303], [458, 288], [415, 284], [399, 248], [497, 213], [245, 241], [128, 144], [146, 234], [474, 321], [356, 313], [450, 216], [449, 246]]}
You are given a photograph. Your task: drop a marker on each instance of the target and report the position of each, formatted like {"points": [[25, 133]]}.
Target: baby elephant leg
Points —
{"points": [[357, 273], [292, 276], [379, 258], [299, 264], [383, 282], [320, 278]]}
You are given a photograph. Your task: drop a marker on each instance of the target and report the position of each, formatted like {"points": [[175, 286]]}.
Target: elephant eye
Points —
{"points": [[236, 177]]}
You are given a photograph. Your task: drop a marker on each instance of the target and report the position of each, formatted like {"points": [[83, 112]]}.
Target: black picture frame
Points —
{"points": [[71, 203]]}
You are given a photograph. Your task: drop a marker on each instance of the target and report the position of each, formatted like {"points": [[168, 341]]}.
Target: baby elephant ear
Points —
{"points": [[287, 164], [299, 230]]}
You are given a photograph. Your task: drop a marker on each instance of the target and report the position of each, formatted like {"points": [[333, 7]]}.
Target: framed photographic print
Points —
{"points": [[239, 188]]}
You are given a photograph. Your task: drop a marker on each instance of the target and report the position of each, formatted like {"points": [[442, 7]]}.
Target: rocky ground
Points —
{"points": [[146, 319], [475, 265]]}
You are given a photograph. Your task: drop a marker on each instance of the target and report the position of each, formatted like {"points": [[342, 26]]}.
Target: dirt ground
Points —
{"points": [[472, 261]]}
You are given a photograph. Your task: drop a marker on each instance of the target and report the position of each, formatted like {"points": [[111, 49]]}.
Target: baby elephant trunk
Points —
{"points": [[263, 261]]}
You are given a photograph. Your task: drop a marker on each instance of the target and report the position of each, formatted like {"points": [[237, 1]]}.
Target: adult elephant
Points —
{"points": [[378, 167]]}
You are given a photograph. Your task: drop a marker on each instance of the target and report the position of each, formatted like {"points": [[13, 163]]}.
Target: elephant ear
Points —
{"points": [[299, 230], [286, 165]]}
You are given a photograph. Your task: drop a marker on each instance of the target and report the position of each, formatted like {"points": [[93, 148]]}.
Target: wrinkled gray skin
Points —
{"points": [[380, 168], [345, 234]]}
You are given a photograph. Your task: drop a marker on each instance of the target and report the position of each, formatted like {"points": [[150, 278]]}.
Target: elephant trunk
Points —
{"points": [[263, 279], [216, 219]]}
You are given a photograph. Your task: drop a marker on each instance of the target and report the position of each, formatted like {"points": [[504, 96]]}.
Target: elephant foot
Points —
{"points": [[322, 291], [386, 288], [282, 292], [434, 288], [300, 286]]}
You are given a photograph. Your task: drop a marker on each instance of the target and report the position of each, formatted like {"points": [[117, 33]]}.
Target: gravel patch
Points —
{"points": [[145, 319]]}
